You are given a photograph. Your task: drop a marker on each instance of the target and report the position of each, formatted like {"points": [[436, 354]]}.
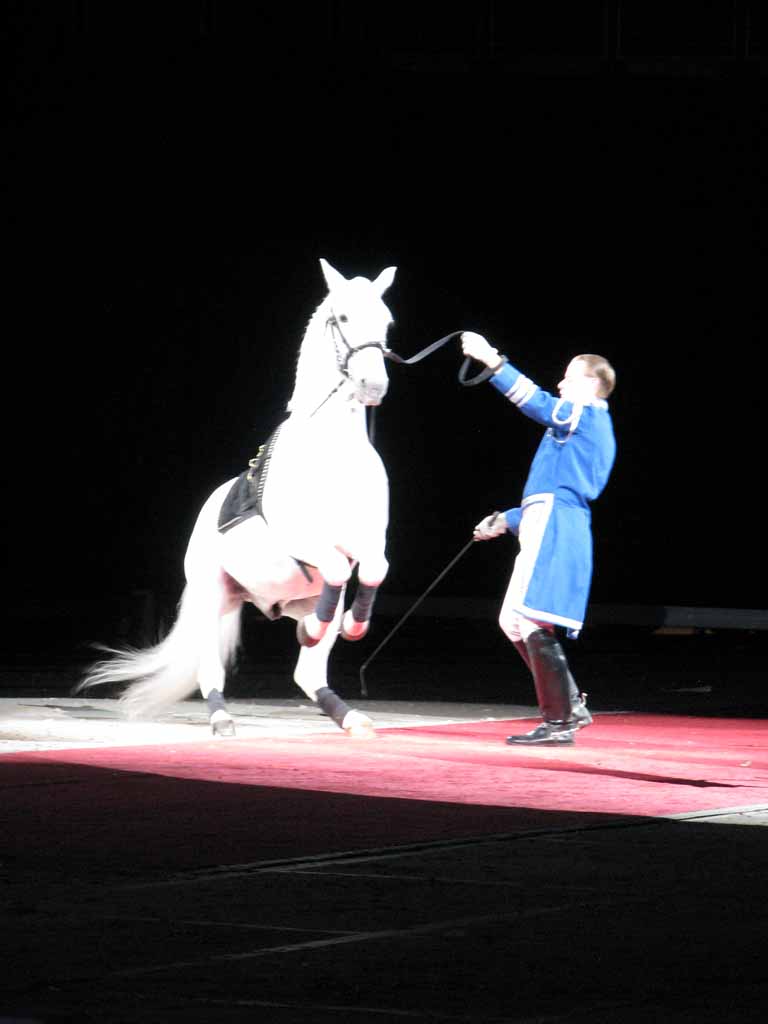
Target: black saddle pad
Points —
{"points": [[242, 502], [243, 499]]}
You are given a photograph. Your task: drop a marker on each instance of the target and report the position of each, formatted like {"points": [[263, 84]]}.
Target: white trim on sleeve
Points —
{"points": [[521, 391]]}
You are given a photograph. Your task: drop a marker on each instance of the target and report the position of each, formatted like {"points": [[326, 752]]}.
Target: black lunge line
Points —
{"points": [[414, 606], [464, 380], [467, 382]]}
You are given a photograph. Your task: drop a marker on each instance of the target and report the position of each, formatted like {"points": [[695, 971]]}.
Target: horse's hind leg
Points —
{"points": [[311, 675], [216, 650]]}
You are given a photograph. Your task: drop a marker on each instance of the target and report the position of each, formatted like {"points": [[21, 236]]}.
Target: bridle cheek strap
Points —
{"points": [[342, 361]]}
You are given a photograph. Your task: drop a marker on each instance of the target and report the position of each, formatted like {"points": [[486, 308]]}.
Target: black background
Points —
{"points": [[175, 175]]}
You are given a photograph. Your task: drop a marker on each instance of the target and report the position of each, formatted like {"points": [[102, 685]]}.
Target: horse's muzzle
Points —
{"points": [[369, 393]]}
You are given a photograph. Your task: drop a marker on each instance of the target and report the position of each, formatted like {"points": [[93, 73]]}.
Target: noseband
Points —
{"points": [[343, 355]]}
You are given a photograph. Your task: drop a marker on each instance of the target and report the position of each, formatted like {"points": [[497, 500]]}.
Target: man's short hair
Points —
{"points": [[599, 367]]}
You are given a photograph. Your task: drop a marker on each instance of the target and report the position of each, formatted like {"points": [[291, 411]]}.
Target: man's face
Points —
{"points": [[578, 385]]}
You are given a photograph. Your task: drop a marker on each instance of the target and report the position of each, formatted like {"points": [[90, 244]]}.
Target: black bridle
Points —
{"points": [[342, 360], [344, 355]]}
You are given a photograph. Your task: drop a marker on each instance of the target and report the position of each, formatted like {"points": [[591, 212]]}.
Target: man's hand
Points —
{"points": [[492, 526], [475, 346]]}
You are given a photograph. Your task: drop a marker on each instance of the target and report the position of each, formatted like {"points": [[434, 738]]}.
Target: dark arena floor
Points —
{"points": [[292, 874]]}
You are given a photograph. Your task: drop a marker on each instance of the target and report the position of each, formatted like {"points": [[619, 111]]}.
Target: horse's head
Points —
{"points": [[358, 321]]}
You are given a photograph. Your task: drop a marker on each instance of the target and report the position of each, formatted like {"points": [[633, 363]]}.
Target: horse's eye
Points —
{"points": [[343, 318]]}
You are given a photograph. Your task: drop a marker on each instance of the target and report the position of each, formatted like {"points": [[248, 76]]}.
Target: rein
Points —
{"points": [[467, 382], [464, 380]]}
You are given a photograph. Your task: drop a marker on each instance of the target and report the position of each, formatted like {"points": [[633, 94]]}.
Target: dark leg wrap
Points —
{"points": [[363, 603], [215, 701], [327, 602], [332, 705], [551, 676]]}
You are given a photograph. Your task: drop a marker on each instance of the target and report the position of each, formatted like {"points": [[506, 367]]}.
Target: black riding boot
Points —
{"points": [[579, 711], [554, 686]]}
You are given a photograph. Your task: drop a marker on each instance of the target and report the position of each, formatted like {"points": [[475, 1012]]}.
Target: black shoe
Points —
{"points": [[551, 734]]}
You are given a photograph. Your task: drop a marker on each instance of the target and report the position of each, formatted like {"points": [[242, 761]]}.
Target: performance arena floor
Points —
{"points": [[153, 873]]}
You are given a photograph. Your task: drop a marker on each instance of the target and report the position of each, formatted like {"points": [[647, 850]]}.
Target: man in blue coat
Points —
{"points": [[552, 574]]}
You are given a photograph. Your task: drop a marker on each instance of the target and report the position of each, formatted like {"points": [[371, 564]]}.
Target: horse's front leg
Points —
{"points": [[311, 676], [357, 618], [335, 570]]}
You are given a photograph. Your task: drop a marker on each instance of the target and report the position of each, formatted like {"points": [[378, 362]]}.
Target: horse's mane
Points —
{"points": [[310, 362]]}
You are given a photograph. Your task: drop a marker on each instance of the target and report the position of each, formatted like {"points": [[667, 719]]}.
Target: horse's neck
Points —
{"points": [[320, 399], [316, 370], [339, 422]]}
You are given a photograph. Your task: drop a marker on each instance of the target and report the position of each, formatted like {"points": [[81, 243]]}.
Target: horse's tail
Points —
{"points": [[160, 676]]}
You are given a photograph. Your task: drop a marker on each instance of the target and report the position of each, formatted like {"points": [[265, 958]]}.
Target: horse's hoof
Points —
{"points": [[310, 630], [353, 630], [304, 638], [222, 725], [358, 726]]}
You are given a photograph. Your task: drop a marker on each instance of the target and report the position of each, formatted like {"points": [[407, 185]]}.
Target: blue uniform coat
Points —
{"points": [[570, 469]]}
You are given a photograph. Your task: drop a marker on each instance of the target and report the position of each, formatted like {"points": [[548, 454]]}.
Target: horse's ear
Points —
{"points": [[332, 277], [385, 279]]}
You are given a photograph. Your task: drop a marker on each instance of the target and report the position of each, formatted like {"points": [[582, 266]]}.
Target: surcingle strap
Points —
{"points": [[245, 494]]}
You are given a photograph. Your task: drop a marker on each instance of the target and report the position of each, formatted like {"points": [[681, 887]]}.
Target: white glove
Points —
{"points": [[492, 526], [478, 348]]}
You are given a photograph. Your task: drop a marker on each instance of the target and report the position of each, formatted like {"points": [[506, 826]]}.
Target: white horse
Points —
{"points": [[314, 506]]}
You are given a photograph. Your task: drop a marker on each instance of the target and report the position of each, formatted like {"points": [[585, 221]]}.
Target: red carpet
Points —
{"points": [[231, 801], [624, 764]]}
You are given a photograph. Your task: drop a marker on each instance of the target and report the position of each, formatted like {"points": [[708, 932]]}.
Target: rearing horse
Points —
{"points": [[316, 506]]}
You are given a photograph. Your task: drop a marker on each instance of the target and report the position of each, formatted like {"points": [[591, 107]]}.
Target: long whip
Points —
{"points": [[414, 606]]}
